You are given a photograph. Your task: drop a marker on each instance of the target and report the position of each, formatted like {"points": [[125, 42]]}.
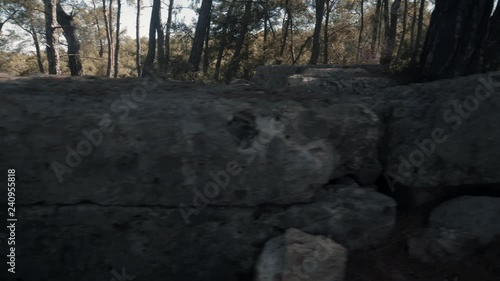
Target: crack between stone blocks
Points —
{"points": [[161, 206]]}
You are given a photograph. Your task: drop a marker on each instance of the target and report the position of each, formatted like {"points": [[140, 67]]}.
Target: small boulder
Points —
{"points": [[457, 229], [300, 256]]}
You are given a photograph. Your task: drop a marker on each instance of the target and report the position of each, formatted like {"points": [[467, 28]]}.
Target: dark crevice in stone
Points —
{"points": [[383, 186], [347, 179], [280, 207], [424, 199], [266, 210], [243, 128], [399, 193]]}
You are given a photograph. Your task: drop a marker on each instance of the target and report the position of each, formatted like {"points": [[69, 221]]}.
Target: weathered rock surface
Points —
{"points": [[276, 76], [296, 255], [326, 76], [85, 241], [177, 181], [342, 81], [352, 216], [179, 146], [458, 228], [188, 182], [442, 134], [240, 82]]}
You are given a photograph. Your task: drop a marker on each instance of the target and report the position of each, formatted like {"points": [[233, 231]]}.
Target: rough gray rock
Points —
{"points": [[144, 175], [241, 82], [342, 81], [336, 72], [277, 76], [182, 180], [86, 241], [443, 133], [300, 256], [353, 216], [457, 228], [179, 146]]}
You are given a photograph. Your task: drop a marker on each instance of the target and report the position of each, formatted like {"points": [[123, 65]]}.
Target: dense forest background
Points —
{"points": [[230, 38]]}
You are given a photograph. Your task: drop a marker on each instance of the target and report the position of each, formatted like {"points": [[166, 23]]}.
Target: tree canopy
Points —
{"points": [[230, 38]]}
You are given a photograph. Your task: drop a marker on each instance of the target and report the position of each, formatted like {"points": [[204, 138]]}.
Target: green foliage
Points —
{"points": [[263, 43], [18, 63]]}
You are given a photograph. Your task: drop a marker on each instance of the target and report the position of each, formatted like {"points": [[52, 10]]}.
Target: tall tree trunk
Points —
{"points": [[325, 32], [110, 14], [246, 69], [168, 29], [418, 40], [150, 56], [68, 26], [96, 22], [51, 37], [320, 7], [37, 47], [413, 26], [270, 27], [455, 38], [235, 61], [403, 33], [388, 51], [361, 28], [376, 24], [206, 61], [387, 25], [199, 35], [160, 43], [222, 44], [266, 31], [138, 39], [108, 39], [491, 58], [286, 24], [302, 48], [117, 50], [292, 49], [381, 38]]}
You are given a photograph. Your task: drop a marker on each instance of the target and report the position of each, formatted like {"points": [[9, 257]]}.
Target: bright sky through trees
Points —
{"points": [[129, 16]]}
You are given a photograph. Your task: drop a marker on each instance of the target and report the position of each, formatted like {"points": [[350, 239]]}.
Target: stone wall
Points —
{"points": [[190, 181]]}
